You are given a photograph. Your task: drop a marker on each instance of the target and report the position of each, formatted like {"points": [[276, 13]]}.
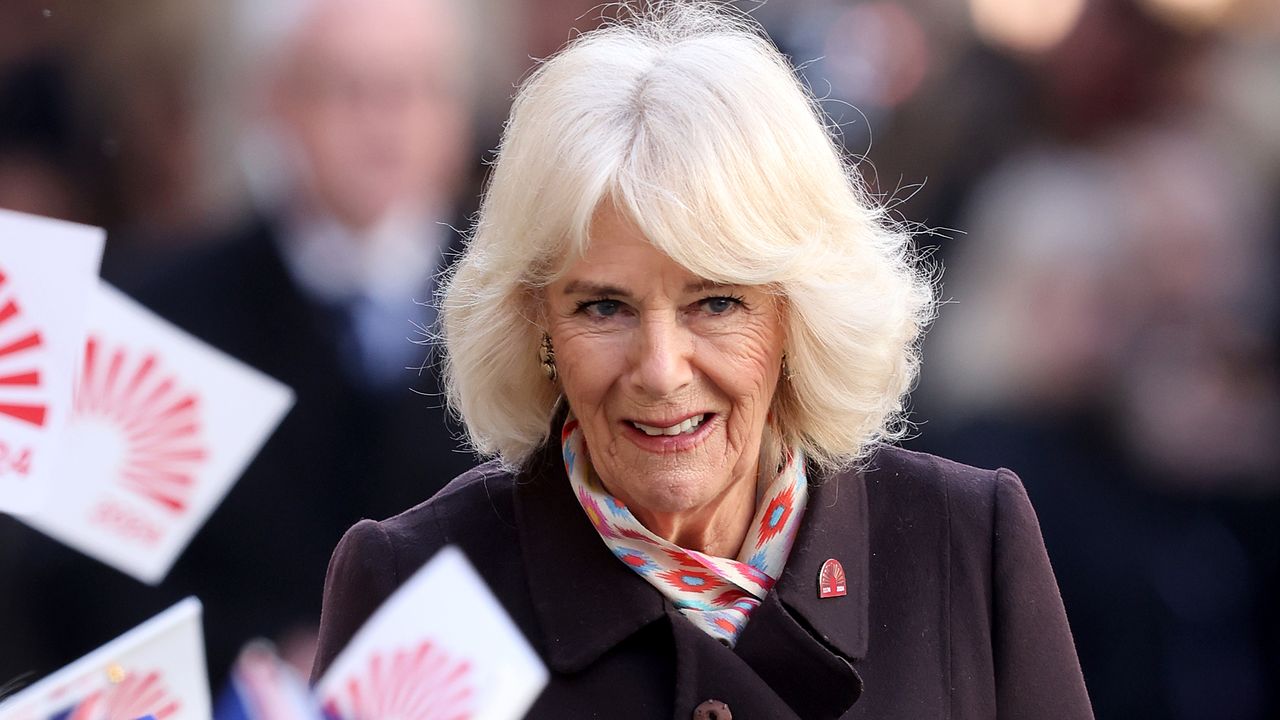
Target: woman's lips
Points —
{"points": [[678, 427], [663, 443]]}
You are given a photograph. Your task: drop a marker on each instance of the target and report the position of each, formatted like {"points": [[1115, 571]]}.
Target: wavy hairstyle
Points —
{"points": [[690, 121]]}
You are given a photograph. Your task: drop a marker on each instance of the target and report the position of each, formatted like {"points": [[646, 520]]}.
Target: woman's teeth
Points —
{"points": [[687, 426]]}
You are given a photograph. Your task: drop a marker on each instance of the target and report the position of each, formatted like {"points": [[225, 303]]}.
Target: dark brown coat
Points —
{"points": [[952, 611]]}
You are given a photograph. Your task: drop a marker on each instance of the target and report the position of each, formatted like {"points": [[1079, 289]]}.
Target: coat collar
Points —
{"points": [[588, 602], [805, 647], [835, 526]]}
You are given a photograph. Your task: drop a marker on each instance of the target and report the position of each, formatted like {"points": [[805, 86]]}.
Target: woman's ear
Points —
{"points": [[782, 308]]}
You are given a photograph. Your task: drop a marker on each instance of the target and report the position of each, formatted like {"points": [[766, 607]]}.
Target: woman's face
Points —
{"points": [[671, 376]]}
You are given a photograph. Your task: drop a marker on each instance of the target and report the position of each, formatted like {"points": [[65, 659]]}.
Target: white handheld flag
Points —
{"points": [[155, 669], [162, 426], [440, 647], [48, 269]]}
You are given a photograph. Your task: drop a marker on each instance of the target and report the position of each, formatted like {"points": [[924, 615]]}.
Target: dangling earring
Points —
{"points": [[787, 374], [547, 356]]}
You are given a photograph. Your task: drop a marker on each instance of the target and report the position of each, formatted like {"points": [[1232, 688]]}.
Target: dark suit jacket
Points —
{"points": [[952, 612]]}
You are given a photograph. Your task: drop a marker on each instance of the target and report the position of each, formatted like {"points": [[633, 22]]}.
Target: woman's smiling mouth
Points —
{"points": [[687, 425], [665, 437]]}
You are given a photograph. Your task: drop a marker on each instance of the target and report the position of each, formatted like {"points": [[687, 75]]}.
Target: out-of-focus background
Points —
{"points": [[1100, 178]]}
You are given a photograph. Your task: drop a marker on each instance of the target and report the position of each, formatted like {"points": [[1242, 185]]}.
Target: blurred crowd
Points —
{"points": [[1098, 182]]}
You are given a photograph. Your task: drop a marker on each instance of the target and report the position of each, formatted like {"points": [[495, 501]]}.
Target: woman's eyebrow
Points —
{"points": [[586, 287], [704, 285]]}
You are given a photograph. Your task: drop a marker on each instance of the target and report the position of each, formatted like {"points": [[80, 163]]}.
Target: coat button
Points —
{"points": [[712, 710]]}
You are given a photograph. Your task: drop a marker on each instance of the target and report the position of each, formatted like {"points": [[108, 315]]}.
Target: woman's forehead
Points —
{"points": [[613, 242], [628, 266], [618, 257]]}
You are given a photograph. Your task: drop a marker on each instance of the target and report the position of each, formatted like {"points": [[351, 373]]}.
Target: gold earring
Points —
{"points": [[787, 374], [547, 355]]}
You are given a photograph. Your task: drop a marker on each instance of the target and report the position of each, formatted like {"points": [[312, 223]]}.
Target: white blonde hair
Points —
{"points": [[690, 121]]}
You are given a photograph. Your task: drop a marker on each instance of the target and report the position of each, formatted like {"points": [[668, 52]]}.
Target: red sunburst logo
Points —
{"points": [[417, 683], [155, 423], [831, 581], [19, 374], [138, 695]]}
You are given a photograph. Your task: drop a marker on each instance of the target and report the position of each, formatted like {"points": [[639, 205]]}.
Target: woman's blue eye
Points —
{"points": [[719, 305], [601, 308]]}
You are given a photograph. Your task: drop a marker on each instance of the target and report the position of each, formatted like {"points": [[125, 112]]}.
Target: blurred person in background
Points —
{"points": [[140, 123], [1115, 303], [35, 168], [1110, 332], [40, 167], [362, 111]]}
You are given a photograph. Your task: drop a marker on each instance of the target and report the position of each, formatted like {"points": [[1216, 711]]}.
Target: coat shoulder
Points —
{"points": [[473, 507], [894, 471], [957, 551], [964, 506], [926, 468], [374, 558]]}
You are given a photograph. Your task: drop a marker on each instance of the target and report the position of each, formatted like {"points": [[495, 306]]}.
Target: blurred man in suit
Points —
{"points": [[358, 167]]}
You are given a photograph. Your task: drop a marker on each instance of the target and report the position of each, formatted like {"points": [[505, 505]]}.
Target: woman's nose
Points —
{"points": [[662, 362]]}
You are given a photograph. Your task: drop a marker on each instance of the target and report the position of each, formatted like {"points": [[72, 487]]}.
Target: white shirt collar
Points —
{"points": [[391, 262]]}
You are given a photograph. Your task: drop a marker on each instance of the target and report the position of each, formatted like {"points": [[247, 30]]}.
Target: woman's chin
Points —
{"points": [[680, 495], [667, 485]]}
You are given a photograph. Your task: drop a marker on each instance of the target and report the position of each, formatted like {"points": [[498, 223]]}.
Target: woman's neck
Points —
{"points": [[717, 528]]}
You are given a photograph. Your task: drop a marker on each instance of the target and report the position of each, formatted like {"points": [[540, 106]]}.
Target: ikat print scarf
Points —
{"points": [[716, 594]]}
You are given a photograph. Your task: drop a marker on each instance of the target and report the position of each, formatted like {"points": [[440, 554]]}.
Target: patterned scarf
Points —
{"points": [[716, 594]]}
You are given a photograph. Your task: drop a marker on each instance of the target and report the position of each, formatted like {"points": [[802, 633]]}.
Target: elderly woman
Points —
{"points": [[685, 333]]}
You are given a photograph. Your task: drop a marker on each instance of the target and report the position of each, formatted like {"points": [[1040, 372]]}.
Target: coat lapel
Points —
{"points": [[802, 646], [836, 525], [586, 600]]}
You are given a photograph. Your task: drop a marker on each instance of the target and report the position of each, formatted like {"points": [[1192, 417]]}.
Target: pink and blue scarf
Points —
{"points": [[716, 594]]}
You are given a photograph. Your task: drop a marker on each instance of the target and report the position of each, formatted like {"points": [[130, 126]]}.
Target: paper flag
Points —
{"points": [[155, 669], [48, 269], [162, 425], [440, 647]]}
